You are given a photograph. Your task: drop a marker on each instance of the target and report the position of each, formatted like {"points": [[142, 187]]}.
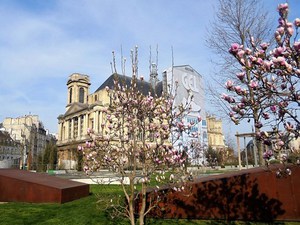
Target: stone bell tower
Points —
{"points": [[78, 89]]}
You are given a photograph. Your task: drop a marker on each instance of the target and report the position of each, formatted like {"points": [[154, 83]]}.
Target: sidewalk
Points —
{"points": [[109, 177]]}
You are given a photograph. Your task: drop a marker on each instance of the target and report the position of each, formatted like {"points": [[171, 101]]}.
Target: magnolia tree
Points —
{"points": [[136, 143], [268, 87]]}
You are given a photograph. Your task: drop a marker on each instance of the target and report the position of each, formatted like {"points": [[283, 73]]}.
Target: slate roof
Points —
{"points": [[143, 86]]}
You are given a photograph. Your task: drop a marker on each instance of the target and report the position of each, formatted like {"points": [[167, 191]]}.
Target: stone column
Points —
{"points": [[96, 121], [100, 121], [72, 128], [86, 123], [79, 127], [67, 135], [60, 131]]}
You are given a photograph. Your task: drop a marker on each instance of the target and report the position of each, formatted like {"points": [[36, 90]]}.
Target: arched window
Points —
{"points": [[81, 95], [70, 96]]}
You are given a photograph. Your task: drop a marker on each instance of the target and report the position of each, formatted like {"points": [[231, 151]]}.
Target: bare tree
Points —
{"points": [[235, 22]]}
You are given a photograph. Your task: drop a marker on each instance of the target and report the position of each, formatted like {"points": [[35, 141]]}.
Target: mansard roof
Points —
{"points": [[143, 86]]}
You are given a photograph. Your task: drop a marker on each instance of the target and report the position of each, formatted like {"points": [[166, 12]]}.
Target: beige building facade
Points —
{"points": [[29, 131], [10, 151], [85, 111], [215, 134]]}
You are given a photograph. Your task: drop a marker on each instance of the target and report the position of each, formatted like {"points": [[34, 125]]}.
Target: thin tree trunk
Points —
{"points": [[143, 206]]}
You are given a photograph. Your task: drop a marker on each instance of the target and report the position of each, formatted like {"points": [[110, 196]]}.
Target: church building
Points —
{"points": [[85, 110]]}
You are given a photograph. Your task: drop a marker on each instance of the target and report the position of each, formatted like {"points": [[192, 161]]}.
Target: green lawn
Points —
{"points": [[79, 212]]}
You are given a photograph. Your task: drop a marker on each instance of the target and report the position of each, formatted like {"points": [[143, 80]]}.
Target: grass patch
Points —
{"points": [[80, 212]]}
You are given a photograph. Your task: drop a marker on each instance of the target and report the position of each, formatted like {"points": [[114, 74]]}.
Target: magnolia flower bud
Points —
{"points": [[290, 31], [234, 48], [297, 22], [229, 84]]}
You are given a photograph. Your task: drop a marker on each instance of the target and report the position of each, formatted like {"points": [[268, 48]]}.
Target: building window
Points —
{"points": [[204, 123], [81, 95], [96, 98], [204, 135], [70, 96], [91, 124]]}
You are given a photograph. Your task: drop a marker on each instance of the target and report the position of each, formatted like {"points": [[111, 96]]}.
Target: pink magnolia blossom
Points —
{"points": [[279, 60], [289, 126], [290, 31], [283, 8], [273, 108], [259, 61], [297, 22], [253, 84], [279, 51], [277, 36], [268, 154], [89, 131], [280, 143], [267, 65], [252, 41], [241, 75], [264, 45], [234, 48], [241, 105], [283, 86], [240, 53], [266, 116], [248, 51], [229, 84], [280, 30], [258, 124], [238, 89], [281, 21], [297, 46], [235, 109]]}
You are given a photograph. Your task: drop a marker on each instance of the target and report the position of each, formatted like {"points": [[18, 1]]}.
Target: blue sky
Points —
{"points": [[43, 42]]}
